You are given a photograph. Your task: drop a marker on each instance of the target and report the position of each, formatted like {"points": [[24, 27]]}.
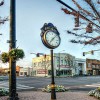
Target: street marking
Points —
{"points": [[5, 85], [93, 85]]}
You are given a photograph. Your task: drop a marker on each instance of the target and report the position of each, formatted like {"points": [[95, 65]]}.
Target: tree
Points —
{"points": [[3, 20], [87, 21]]}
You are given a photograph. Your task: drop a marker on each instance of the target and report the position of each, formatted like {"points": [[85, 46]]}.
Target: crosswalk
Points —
{"points": [[5, 84], [94, 85]]}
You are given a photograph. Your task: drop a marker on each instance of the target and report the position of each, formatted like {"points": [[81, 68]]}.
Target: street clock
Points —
{"points": [[50, 36]]}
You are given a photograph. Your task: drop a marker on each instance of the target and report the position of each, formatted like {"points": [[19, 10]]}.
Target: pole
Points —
{"points": [[53, 93], [45, 64], [59, 65], [12, 64]]}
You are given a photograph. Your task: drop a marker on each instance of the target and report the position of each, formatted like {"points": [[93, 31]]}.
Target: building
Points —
{"points": [[41, 66], [25, 71], [93, 66], [6, 70], [80, 66], [64, 65]]}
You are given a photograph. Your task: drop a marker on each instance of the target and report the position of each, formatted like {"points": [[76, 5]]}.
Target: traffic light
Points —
{"points": [[2, 3], [37, 54], [89, 28], [83, 53], [77, 20], [92, 52]]}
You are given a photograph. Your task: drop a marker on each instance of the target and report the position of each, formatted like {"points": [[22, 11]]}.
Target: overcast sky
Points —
{"points": [[30, 17]]}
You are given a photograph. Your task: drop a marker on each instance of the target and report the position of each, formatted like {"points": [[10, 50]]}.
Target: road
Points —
{"points": [[74, 83]]}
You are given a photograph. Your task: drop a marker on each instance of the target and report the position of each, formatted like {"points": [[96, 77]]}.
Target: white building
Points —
{"points": [[80, 66], [25, 71], [64, 64]]}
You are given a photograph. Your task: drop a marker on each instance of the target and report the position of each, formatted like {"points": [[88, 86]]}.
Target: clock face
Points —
{"points": [[52, 39]]}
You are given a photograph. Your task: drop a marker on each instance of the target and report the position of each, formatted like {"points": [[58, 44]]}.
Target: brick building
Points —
{"points": [[93, 67]]}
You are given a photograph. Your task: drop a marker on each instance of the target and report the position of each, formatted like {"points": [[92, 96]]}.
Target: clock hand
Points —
{"points": [[52, 39]]}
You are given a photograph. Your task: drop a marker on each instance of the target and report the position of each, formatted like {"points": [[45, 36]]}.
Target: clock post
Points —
{"points": [[53, 93], [51, 39]]}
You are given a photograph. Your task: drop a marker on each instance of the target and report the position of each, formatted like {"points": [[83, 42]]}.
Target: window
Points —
{"points": [[49, 72], [21, 73], [89, 65], [93, 66], [61, 72], [25, 73], [65, 62], [61, 62]]}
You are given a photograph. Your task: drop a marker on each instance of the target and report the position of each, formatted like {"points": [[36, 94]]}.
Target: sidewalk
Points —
{"points": [[39, 95]]}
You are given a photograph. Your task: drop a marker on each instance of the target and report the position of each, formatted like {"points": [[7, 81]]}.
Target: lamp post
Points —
{"points": [[12, 64], [59, 62]]}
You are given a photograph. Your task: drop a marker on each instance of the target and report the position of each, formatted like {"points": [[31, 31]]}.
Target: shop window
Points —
{"points": [[57, 72], [69, 72], [61, 62], [65, 72], [25, 73], [61, 72], [79, 64], [89, 72], [49, 72], [21, 73]]}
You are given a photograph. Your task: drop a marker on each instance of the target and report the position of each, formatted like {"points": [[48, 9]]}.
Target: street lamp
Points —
{"points": [[59, 62]]}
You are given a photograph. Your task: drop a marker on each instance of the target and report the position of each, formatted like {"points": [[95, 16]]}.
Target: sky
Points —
{"points": [[30, 17]]}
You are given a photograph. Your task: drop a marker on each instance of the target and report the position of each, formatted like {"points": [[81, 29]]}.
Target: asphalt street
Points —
{"points": [[86, 83]]}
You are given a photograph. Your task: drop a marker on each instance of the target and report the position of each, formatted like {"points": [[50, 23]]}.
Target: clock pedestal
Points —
{"points": [[53, 93]]}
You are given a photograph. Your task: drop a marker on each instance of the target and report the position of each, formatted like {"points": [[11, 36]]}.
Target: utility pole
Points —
{"points": [[12, 44]]}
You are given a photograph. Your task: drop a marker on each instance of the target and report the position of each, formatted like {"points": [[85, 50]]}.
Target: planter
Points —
{"points": [[95, 93], [4, 57], [58, 88], [14, 54]]}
